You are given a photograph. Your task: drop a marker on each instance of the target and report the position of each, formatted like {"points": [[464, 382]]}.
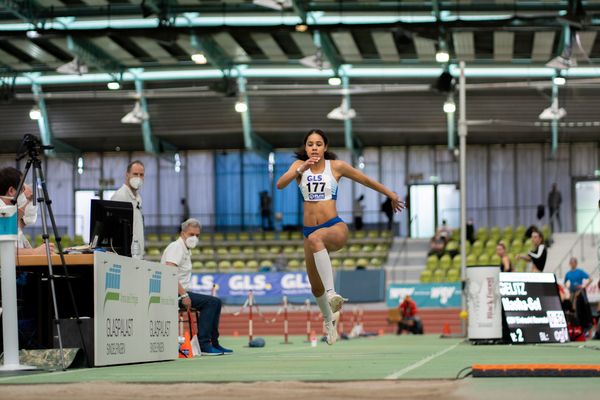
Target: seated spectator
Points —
{"points": [[409, 319], [470, 230], [505, 264], [537, 255], [444, 231], [437, 245], [178, 254]]}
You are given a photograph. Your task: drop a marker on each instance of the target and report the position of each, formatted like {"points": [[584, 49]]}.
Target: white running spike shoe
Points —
{"points": [[331, 329], [335, 301]]}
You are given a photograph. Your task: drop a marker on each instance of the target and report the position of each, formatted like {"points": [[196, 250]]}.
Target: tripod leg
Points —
{"points": [[45, 199]]}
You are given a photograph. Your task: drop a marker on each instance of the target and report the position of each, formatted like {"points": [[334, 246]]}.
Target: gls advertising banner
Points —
{"points": [[268, 287], [135, 310], [426, 295]]}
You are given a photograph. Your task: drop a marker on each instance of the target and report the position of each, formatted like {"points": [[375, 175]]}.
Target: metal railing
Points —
{"points": [[580, 242]]}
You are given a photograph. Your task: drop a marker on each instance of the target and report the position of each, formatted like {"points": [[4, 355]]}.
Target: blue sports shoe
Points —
{"points": [[222, 349], [209, 350]]}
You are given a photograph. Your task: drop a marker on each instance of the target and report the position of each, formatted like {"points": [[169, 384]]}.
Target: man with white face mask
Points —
{"points": [[130, 191], [178, 254], [9, 182]]}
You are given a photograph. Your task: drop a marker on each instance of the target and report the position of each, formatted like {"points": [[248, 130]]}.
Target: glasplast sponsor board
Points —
{"points": [[426, 295], [135, 310], [532, 308]]}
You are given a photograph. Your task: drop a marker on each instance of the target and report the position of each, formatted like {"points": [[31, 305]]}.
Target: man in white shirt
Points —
{"points": [[178, 254], [129, 192]]}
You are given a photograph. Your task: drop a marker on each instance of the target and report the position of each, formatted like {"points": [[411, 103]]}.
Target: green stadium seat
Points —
{"points": [[218, 237], [197, 265], [205, 237], [285, 235], [152, 237], [483, 259], [508, 233], [208, 251], [231, 236], [386, 234], [262, 250], [275, 249], [495, 259], [166, 237], [368, 248], [426, 276], [432, 263], [481, 234], [471, 259], [439, 276], [287, 250], [295, 235], [477, 247], [373, 234], [244, 236], [224, 265], [248, 250], [211, 264], [257, 236], [376, 261], [265, 264], [336, 262], [222, 251], [452, 246], [235, 250], [445, 262], [269, 235], [294, 264], [453, 275], [252, 265], [349, 263], [520, 232], [456, 261], [195, 251], [154, 252], [239, 264], [362, 262]]}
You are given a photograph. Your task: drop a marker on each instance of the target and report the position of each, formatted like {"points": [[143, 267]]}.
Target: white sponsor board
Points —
{"points": [[485, 313], [135, 304]]}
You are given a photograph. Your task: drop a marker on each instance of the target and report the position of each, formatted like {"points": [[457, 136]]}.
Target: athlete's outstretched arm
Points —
{"points": [[289, 175], [350, 172]]}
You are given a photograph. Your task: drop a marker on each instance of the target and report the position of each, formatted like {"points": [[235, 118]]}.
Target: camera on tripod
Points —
{"points": [[31, 146]]}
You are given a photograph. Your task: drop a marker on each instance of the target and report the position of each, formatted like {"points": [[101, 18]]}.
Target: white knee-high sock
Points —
{"points": [[324, 306], [324, 269]]}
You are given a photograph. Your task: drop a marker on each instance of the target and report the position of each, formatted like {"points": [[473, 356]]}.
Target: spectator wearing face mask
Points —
{"points": [[178, 254], [27, 213], [130, 192]]}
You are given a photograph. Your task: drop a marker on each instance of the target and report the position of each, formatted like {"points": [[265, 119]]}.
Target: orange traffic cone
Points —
{"points": [[446, 330], [185, 348]]}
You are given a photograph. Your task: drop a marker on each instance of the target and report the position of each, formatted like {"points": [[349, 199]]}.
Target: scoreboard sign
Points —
{"points": [[532, 308]]}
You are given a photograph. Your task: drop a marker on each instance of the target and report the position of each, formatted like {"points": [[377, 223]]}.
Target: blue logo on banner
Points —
{"points": [[267, 288], [426, 295]]}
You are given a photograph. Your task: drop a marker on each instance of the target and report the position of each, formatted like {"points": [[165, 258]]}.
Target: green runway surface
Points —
{"points": [[377, 358]]}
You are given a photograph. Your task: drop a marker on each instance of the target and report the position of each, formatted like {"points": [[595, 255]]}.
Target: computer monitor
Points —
{"points": [[111, 226]]}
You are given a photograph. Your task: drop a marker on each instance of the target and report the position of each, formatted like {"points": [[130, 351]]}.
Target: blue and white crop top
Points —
{"points": [[319, 187]]}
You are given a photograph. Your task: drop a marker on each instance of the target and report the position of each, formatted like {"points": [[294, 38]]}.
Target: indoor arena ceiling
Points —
{"points": [[276, 56]]}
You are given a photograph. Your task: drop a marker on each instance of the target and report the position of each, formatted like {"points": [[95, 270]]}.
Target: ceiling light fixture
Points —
{"points": [[342, 113], [315, 61], [113, 85], [559, 80], [199, 58], [273, 4], [334, 81], [135, 116], [35, 113], [449, 107], [74, 67], [553, 112], [241, 106]]}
